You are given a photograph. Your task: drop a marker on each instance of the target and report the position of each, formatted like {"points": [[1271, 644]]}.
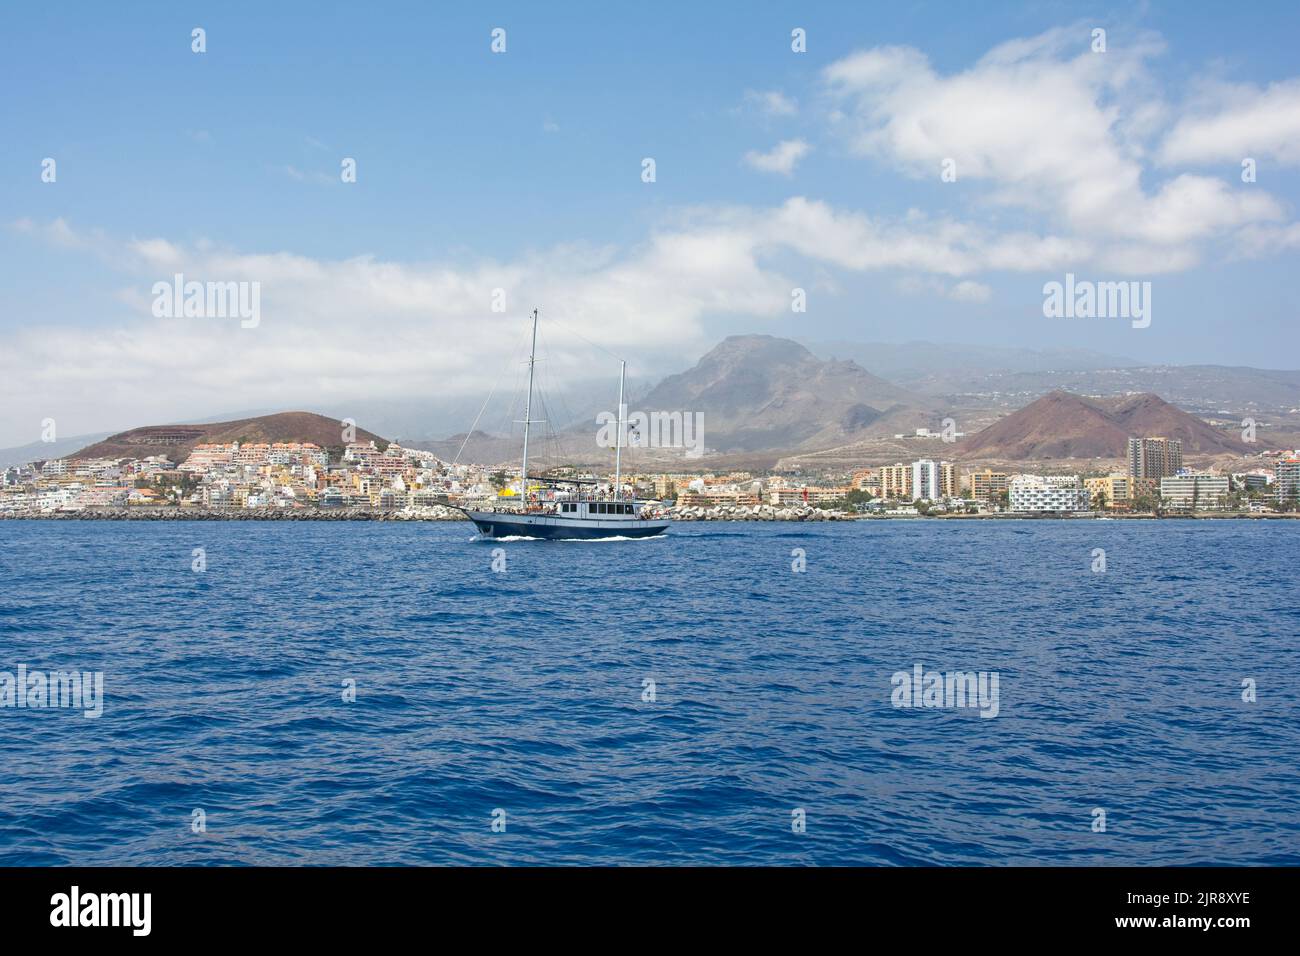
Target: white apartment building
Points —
{"points": [[1047, 494], [1195, 492], [208, 456], [360, 451], [931, 480], [925, 480]]}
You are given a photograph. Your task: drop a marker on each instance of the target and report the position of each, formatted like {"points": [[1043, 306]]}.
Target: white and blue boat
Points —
{"points": [[568, 509]]}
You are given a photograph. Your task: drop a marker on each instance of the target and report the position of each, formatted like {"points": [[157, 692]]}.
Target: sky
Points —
{"points": [[919, 171]]}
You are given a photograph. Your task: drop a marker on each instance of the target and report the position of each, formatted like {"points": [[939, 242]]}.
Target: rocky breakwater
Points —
{"points": [[431, 513], [754, 513]]}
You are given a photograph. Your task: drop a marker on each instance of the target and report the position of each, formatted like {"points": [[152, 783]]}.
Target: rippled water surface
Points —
{"points": [[524, 691]]}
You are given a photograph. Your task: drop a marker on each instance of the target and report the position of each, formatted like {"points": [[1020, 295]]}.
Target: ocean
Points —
{"points": [[376, 693]]}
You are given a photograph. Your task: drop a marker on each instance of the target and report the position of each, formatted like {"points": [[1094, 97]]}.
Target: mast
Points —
{"points": [[618, 441], [528, 413]]}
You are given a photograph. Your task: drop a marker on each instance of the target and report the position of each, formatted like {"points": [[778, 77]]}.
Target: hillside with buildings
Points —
{"points": [[175, 442]]}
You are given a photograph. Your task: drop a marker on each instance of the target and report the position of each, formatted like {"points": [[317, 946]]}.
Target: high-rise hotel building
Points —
{"points": [[988, 484], [931, 480], [896, 482], [1287, 472], [1154, 457]]}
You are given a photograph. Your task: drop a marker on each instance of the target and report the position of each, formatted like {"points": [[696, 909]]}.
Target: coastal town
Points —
{"points": [[376, 479]]}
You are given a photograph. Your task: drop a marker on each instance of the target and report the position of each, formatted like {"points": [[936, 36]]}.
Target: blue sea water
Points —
{"points": [[525, 691]]}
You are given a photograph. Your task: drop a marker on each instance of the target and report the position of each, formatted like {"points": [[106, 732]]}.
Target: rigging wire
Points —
{"points": [[461, 451], [548, 398], [545, 396], [617, 358], [468, 434]]}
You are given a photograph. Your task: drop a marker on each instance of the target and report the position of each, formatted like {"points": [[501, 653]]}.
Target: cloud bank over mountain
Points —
{"points": [[1065, 159]]}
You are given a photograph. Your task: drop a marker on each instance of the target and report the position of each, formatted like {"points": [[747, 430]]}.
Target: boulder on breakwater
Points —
{"points": [[430, 513], [753, 513]]}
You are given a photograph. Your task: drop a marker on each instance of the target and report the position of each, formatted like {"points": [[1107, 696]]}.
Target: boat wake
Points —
{"points": [[479, 538]]}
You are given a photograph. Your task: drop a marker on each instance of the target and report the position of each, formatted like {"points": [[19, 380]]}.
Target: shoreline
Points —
{"points": [[438, 513]]}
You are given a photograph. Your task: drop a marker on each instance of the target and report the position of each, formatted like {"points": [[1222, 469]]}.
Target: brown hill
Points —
{"points": [[176, 441], [1063, 425]]}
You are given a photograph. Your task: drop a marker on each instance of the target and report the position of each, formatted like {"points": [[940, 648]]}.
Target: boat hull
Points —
{"points": [[504, 524]]}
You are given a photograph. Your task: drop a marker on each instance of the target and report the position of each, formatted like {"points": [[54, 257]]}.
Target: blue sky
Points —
{"points": [[522, 171]]}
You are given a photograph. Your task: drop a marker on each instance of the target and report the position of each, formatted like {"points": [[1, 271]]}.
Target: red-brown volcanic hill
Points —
{"points": [[1149, 416], [176, 441], [1062, 425]]}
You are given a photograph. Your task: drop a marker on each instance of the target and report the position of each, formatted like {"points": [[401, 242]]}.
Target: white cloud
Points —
{"points": [[314, 176], [966, 291], [1231, 123], [781, 158], [364, 327], [856, 241], [771, 102], [1044, 125], [57, 232], [1256, 241]]}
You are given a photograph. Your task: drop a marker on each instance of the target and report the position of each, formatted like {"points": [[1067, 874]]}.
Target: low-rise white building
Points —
{"points": [[1195, 492], [1049, 494]]}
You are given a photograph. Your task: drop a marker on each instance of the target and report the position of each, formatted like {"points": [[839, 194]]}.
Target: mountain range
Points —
{"points": [[760, 392], [764, 399]]}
